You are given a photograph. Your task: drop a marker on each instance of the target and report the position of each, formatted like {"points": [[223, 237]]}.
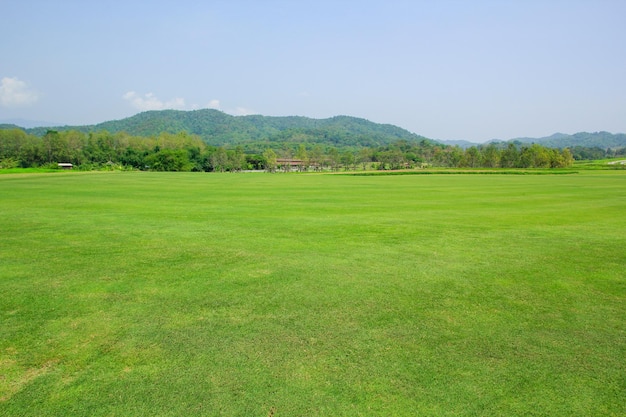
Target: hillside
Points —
{"points": [[218, 128], [602, 140], [463, 144]]}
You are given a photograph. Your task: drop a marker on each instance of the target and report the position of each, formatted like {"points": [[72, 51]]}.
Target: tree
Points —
{"points": [[54, 147], [236, 159], [509, 157], [303, 155], [348, 159], [534, 156], [397, 159], [568, 158], [471, 157], [317, 157], [333, 158], [454, 157], [219, 160], [11, 141], [169, 160], [75, 141], [491, 156], [134, 158], [364, 157], [270, 160]]}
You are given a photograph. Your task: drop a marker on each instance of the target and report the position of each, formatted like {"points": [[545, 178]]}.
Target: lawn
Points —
{"points": [[171, 294]]}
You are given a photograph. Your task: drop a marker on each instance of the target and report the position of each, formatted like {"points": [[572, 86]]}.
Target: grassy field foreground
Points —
{"points": [[172, 294]]}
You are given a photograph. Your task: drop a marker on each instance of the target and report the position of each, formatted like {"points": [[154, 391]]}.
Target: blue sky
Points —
{"points": [[473, 70]]}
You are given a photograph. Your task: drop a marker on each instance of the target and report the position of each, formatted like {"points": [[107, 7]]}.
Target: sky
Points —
{"points": [[450, 70]]}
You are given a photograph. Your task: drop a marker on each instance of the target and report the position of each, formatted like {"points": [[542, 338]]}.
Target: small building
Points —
{"points": [[289, 164], [65, 165], [289, 161]]}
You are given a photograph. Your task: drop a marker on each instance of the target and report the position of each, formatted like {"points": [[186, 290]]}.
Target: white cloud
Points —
{"points": [[242, 111], [14, 93], [150, 102]]}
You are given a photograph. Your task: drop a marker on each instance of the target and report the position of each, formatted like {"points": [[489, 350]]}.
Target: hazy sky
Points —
{"points": [[468, 69]]}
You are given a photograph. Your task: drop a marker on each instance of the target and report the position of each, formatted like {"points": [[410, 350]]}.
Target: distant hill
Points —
{"points": [[9, 126], [218, 128], [256, 131], [602, 140], [460, 143], [22, 123]]}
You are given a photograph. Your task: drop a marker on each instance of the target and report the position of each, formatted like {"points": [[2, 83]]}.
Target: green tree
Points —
{"points": [[364, 157], [333, 158], [269, 157], [490, 156], [11, 142], [54, 147], [169, 160], [510, 156], [133, 157], [317, 157], [471, 157], [75, 141], [568, 158], [348, 160], [534, 156], [303, 155], [453, 157], [219, 160], [236, 159]]}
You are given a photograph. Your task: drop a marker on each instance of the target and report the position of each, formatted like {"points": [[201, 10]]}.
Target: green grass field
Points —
{"points": [[182, 294]]}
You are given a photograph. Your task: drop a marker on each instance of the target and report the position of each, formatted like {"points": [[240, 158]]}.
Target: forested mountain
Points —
{"points": [[210, 140], [463, 144], [602, 140], [217, 128], [256, 132]]}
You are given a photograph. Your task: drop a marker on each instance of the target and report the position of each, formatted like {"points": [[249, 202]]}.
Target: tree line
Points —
{"points": [[186, 152]]}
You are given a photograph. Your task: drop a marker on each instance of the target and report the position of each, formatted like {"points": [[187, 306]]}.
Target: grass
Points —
{"points": [[610, 163], [28, 170], [172, 294]]}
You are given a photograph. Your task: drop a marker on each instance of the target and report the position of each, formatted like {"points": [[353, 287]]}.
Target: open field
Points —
{"points": [[171, 294]]}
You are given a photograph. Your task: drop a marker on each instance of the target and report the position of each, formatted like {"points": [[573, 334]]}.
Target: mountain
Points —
{"points": [[460, 143], [23, 123], [602, 140], [218, 128], [255, 132]]}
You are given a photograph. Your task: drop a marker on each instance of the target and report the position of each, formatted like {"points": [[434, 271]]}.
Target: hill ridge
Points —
{"points": [[218, 128]]}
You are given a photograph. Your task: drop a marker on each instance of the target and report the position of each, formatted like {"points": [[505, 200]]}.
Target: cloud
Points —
{"points": [[150, 102], [214, 104], [15, 93], [242, 111]]}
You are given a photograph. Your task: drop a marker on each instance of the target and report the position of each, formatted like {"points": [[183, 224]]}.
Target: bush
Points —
{"points": [[9, 163]]}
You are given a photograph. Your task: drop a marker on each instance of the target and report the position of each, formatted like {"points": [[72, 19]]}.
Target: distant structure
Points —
{"points": [[65, 165], [289, 164]]}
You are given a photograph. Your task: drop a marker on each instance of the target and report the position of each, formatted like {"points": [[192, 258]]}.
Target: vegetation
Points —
{"points": [[255, 132], [607, 143], [601, 140], [147, 293], [186, 152], [209, 140]]}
